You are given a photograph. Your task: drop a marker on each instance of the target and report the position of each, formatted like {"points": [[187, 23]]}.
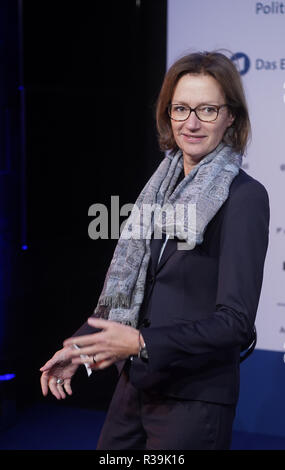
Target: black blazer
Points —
{"points": [[200, 305]]}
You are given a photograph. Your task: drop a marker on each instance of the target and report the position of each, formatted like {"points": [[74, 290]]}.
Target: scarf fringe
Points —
{"points": [[119, 300]]}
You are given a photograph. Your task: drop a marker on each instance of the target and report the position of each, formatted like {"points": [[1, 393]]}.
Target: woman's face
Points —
{"points": [[194, 137]]}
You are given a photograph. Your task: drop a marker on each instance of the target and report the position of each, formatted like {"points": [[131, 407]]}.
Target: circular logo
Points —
{"points": [[241, 62]]}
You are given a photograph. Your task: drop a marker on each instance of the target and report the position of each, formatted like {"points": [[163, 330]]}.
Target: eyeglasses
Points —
{"points": [[204, 112]]}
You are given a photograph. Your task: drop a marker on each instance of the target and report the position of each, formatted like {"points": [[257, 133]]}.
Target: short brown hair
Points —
{"points": [[224, 71]]}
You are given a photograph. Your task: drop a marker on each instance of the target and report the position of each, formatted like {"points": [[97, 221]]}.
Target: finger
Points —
{"points": [[48, 365], [104, 364], [99, 322], [103, 357], [82, 360], [92, 357], [84, 340], [44, 384], [45, 367], [61, 390], [53, 388], [86, 360], [88, 350], [67, 386]]}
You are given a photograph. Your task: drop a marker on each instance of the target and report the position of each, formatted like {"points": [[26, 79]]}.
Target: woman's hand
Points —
{"points": [[61, 367], [113, 343]]}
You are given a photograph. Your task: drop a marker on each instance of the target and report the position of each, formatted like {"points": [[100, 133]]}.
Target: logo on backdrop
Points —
{"points": [[272, 8], [242, 62]]}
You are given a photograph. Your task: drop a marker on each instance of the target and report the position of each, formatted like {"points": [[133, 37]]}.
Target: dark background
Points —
{"points": [[87, 75]]}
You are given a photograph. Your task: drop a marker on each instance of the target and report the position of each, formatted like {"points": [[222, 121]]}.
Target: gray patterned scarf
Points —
{"points": [[161, 208]]}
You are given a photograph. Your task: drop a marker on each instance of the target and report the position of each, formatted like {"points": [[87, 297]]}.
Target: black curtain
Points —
{"points": [[92, 74]]}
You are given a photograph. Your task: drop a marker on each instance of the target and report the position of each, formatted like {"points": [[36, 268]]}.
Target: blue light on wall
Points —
{"points": [[5, 377]]}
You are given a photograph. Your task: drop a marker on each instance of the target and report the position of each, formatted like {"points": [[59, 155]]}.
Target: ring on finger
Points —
{"points": [[59, 381]]}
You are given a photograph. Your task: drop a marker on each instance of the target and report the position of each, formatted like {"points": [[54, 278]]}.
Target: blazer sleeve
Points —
{"points": [[243, 247]]}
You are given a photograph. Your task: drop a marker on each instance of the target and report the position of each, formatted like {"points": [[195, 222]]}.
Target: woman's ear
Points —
{"points": [[228, 135], [231, 119]]}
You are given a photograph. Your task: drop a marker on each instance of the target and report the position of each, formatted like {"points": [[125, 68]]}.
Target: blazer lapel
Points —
{"points": [[156, 245], [155, 248], [169, 250]]}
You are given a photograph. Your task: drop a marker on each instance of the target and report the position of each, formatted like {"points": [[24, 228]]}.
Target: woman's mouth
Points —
{"points": [[193, 138]]}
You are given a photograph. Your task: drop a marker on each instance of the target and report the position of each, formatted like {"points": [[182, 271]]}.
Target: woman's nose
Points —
{"points": [[193, 122]]}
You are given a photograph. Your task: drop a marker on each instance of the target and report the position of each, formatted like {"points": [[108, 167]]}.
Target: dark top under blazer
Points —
{"points": [[200, 305]]}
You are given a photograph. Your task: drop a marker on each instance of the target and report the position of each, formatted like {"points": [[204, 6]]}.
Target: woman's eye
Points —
{"points": [[208, 109], [180, 109]]}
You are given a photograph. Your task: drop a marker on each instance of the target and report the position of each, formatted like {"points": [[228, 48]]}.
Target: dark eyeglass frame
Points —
{"points": [[194, 109]]}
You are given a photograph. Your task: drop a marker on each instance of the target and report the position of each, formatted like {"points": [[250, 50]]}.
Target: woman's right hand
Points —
{"points": [[58, 367]]}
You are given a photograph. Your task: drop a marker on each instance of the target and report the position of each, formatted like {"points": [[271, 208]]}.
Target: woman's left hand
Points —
{"points": [[113, 343]]}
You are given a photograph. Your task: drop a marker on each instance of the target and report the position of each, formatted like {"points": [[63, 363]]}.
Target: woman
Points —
{"points": [[175, 314]]}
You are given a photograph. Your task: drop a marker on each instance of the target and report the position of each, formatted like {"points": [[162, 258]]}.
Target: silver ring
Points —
{"points": [[94, 360], [59, 381]]}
